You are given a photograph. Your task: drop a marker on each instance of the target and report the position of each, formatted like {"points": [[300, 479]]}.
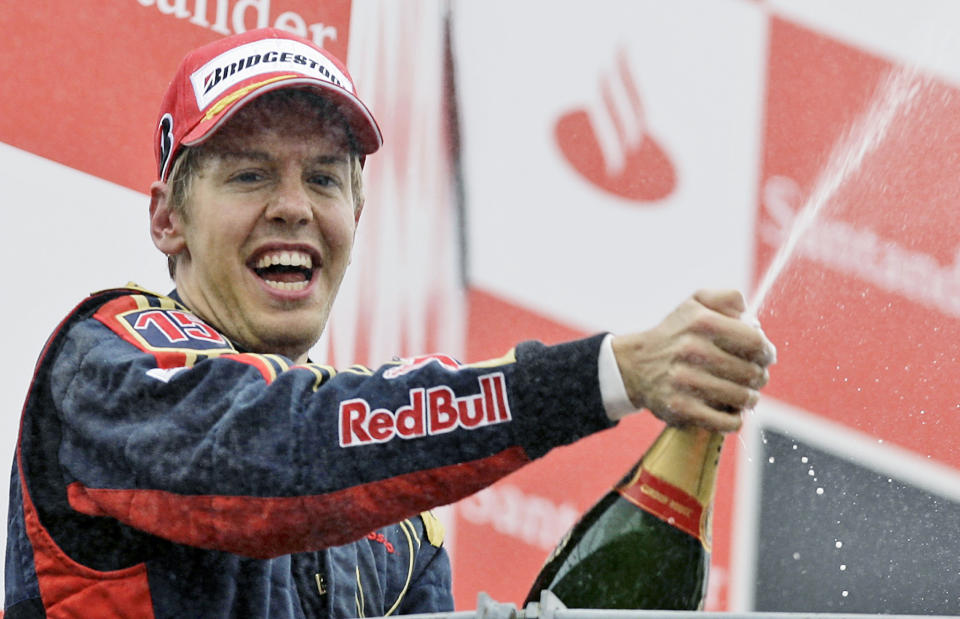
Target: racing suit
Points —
{"points": [[163, 472]]}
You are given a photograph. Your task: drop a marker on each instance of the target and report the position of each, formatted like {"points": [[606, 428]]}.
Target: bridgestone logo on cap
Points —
{"points": [[268, 56]]}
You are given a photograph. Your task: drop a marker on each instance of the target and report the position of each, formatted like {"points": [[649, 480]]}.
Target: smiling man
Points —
{"points": [[179, 454], [273, 207]]}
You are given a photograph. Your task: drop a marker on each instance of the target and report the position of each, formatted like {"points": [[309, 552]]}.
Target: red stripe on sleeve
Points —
{"points": [[265, 527]]}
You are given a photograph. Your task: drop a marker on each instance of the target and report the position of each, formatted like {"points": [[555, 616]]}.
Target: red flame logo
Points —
{"points": [[612, 148]]}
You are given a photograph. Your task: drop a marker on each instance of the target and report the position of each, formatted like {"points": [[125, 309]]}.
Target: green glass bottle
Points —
{"points": [[646, 543]]}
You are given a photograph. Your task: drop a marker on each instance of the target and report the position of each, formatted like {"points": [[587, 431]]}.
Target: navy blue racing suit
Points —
{"points": [[163, 472]]}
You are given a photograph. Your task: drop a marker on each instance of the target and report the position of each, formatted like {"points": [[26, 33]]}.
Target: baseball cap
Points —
{"points": [[217, 79]]}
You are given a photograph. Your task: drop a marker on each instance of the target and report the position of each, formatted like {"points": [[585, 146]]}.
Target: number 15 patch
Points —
{"points": [[166, 329]]}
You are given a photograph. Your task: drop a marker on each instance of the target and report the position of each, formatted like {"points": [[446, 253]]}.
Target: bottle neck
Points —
{"points": [[676, 479]]}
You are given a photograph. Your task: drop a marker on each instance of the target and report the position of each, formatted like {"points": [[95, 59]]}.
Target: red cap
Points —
{"points": [[216, 80]]}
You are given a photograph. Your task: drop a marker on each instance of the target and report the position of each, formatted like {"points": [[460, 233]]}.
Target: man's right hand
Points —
{"points": [[702, 365]]}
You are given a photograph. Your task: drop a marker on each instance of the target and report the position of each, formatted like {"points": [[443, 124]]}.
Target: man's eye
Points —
{"points": [[323, 180], [247, 176]]}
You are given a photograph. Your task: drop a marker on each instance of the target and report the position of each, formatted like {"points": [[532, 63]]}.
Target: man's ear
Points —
{"points": [[356, 221], [166, 224]]}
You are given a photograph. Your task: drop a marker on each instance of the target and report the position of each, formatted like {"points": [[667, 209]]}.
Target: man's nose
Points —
{"points": [[290, 204]]}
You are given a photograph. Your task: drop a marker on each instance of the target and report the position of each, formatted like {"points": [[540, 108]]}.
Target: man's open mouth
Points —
{"points": [[284, 270]]}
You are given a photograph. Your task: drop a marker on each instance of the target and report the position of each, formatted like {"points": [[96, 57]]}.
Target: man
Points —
{"points": [[180, 456]]}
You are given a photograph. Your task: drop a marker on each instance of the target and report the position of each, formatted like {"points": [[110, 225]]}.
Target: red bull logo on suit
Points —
{"points": [[431, 411]]}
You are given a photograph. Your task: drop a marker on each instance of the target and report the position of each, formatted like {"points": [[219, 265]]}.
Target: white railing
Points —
{"points": [[550, 607]]}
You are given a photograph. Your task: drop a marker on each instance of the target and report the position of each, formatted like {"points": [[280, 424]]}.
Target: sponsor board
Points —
{"points": [[99, 116], [867, 308], [624, 149], [231, 17], [630, 168], [520, 514]]}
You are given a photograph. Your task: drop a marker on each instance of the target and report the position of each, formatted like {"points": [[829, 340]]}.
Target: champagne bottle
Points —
{"points": [[646, 543]]}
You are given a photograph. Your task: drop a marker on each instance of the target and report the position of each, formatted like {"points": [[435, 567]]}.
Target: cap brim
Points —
{"points": [[360, 120]]}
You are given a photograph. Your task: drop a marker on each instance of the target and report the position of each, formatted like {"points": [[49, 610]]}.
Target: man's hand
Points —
{"points": [[701, 366]]}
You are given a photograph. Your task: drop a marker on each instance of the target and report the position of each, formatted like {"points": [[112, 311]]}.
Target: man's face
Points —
{"points": [[268, 227]]}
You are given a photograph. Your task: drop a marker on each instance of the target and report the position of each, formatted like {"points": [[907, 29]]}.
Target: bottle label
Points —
{"points": [[668, 503]]}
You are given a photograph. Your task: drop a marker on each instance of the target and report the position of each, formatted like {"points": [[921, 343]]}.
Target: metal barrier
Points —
{"points": [[550, 607]]}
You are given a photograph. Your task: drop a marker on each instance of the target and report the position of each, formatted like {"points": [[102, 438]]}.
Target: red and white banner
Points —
{"points": [[870, 305], [88, 78], [403, 293]]}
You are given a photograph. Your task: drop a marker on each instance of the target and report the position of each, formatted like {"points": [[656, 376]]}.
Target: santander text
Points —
{"points": [[244, 15]]}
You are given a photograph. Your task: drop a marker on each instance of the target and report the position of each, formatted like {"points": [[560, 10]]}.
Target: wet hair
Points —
{"points": [[189, 161]]}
